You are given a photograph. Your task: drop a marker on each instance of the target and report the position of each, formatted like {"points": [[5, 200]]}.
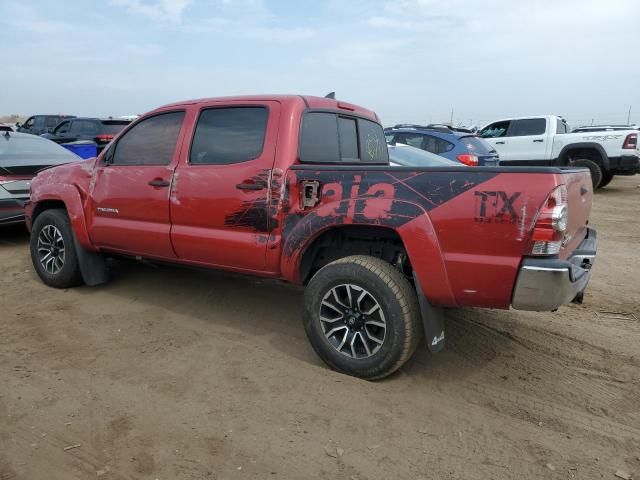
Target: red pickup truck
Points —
{"points": [[300, 188]]}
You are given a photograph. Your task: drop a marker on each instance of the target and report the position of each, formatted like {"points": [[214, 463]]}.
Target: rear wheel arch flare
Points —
{"points": [[345, 240], [591, 151]]}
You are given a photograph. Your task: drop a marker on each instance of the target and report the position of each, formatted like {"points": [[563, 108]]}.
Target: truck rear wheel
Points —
{"points": [[606, 179], [53, 251], [362, 316], [594, 168]]}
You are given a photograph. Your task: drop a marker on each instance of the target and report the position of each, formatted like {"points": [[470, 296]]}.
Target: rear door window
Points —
{"points": [[83, 127], [327, 137], [152, 141], [527, 127], [62, 128], [411, 139], [229, 135]]}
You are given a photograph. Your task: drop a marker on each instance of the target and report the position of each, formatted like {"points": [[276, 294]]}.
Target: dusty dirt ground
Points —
{"points": [[167, 373]]}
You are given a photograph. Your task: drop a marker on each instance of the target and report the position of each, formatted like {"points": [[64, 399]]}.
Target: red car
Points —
{"points": [[299, 188]]}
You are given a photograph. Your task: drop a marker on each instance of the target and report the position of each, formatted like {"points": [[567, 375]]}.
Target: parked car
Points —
{"points": [[100, 131], [39, 124], [21, 156], [402, 155], [300, 189], [455, 144], [544, 140], [5, 128]]}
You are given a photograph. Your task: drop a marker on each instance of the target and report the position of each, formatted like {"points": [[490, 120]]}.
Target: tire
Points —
{"points": [[606, 179], [362, 282], [52, 233], [594, 168]]}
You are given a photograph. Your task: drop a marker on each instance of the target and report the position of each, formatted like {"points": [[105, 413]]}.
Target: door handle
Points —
{"points": [[251, 186], [159, 182], [538, 140], [499, 143]]}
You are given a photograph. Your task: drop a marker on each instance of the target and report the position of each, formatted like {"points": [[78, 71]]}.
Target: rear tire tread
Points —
{"points": [[406, 297]]}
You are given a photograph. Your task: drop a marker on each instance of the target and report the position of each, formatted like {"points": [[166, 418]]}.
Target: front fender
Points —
{"points": [[72, 200]]}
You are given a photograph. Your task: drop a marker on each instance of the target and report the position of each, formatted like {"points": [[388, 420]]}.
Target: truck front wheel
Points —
{"points": [[53, 251], [362, 316], [594, 168]]}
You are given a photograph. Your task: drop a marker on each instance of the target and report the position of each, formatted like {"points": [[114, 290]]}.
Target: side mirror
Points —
{"points": [[18, 124]]}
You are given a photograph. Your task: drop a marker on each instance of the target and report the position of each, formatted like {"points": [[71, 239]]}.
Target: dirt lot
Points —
{"points": [[167, 373]]}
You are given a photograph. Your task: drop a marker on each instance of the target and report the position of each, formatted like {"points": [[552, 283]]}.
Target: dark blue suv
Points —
{"points": [[453, 143]]}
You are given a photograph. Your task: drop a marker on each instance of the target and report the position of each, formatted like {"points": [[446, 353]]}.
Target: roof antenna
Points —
{"points": [[331, 95]]}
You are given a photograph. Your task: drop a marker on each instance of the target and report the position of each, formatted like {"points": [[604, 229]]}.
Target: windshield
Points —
{"points": [[477, 145], [407, 156], [22, 149]]}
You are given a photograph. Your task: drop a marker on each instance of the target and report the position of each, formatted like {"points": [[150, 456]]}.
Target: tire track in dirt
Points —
{"points": [[50, 451], [545, 379]]}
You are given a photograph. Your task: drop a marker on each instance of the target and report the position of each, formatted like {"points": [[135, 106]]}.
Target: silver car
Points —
{"points": [[21, 157]]}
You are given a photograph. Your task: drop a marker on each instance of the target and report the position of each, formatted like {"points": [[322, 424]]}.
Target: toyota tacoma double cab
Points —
{"points": [[299, 188], [544, 140]]}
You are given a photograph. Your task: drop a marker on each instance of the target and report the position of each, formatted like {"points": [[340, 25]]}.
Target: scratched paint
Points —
{"points": [[375, 197]]}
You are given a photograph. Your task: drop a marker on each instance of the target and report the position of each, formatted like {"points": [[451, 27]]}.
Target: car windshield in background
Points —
{"points": [[407, 156], [477, 145], [23, 149], [112, 127]]}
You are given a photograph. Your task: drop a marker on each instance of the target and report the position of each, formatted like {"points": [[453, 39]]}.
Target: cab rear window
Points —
{"points": [[328, 137]]}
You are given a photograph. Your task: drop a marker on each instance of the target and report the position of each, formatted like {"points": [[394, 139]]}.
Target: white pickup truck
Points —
{"points": [[546, 141]]}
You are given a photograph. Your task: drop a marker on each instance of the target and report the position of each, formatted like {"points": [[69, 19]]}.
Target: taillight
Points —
{"points": [[551, 224], [631, 142], [468, 159], [4, 180], [104, 138]]}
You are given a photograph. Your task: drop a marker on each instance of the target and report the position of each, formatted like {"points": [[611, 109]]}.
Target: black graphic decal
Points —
{"points": [[489, 202]]}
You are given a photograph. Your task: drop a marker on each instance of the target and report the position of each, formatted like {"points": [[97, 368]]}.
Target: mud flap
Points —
{"points": [[92, 265], [432, 320]]}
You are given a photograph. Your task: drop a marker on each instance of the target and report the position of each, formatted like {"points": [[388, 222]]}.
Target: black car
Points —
{"points": [[21, 157], [100, 131], [39, 124]]}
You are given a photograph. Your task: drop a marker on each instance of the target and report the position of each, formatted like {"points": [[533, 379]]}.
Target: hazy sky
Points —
{"points": [[410, 60]]}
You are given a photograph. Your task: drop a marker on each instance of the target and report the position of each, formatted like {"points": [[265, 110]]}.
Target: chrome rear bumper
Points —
{"points": [[546, 284]]}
